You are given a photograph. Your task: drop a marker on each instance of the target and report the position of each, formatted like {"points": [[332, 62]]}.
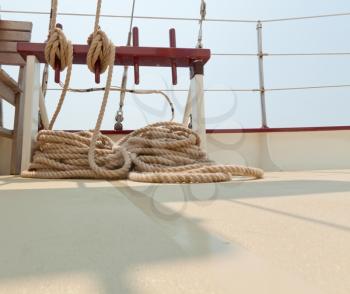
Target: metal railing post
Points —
{"points": [[261, 74]]}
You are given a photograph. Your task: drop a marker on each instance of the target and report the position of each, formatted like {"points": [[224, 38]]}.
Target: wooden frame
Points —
{"points": [[125, 55], [30, 107], [192, 58], [12, 32]]}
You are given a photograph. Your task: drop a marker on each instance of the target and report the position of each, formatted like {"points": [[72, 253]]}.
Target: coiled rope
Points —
{"points": [[165, 152], [58, 47]]}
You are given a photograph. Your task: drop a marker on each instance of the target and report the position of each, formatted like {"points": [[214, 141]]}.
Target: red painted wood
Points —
{"points": [[135, 43], [57, 62], [57, 71], [252, 130], [125, 55], [97, 71], [172, 40], [135, 36], [275, 130]]}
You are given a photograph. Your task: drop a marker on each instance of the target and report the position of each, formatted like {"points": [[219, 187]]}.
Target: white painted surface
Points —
{"points": [[288, 233], [283, 151], [196, 97], [31, 109]]}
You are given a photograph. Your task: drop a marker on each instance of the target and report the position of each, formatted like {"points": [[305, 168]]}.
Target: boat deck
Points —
{"points": [[287, 233]]}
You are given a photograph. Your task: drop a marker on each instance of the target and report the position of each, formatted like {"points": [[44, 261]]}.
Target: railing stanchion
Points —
{"points": [[261, 75]]}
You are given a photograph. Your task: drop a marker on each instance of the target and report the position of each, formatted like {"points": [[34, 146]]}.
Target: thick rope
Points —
{"points": [[165, 152], [58, 47], [100, 47]]}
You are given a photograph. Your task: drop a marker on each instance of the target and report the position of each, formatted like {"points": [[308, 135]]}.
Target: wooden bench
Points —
{"points": [[12, 32]]}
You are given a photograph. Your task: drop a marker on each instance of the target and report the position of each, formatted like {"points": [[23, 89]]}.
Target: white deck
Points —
{"points": [[288, 233]]}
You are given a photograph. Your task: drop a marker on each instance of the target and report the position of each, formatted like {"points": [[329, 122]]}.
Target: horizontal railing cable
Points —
{"points": [[244, 90], [309, 54], [127, 16], [306, 17], [309, 87], [180, 18]]}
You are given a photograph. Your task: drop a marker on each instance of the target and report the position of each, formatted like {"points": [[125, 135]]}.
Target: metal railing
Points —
{"points": [[260, 54]]}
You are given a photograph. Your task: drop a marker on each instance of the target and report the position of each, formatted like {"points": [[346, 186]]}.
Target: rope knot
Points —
{"points": [[58, 46], [100, 49]]}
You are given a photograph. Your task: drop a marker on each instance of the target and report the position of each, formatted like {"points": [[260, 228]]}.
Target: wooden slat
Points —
{"points": [[8, 47], [7, 94], [30, 110], [16, 154], [6, 133], [8, 81], [15, 36], [11, 59], [125, 55], [10, 25]]}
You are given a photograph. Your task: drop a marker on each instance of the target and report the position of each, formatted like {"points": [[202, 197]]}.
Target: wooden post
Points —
{"points": [[31, 110], [16, 154], [197, 101]]}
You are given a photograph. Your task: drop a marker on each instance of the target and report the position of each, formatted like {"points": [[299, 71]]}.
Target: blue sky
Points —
{"points": [[223, 109]]}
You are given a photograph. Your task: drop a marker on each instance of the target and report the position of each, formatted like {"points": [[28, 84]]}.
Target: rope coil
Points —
{"points": [[165, 152]]}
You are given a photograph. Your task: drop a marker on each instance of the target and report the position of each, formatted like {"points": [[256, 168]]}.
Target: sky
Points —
{"points": [[321, 107]]}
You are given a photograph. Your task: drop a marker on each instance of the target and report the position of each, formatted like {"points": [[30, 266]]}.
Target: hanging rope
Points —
{"points": [[58, 47], [100, 47], [45, 76]]}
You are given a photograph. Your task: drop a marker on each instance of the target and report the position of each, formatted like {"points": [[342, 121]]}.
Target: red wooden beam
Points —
{"points": [[57, 62], [125, 55], [57, 71], [97, 71], [252, 130]]}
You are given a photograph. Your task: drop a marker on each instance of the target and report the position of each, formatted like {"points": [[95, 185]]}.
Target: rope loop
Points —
{"points": [[58, 46], [100, 49]]}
